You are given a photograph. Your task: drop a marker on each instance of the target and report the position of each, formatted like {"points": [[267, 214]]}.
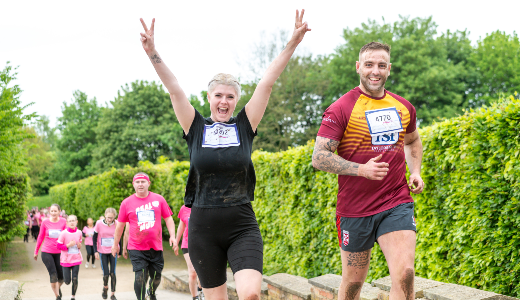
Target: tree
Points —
{"points": [[40, 162], [427, 71], [77, 138], [497, 61], [45, 131], [12, 120], [141, 125]]}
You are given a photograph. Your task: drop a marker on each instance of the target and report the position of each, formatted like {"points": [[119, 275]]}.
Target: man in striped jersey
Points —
{"points": [[374, 133]]}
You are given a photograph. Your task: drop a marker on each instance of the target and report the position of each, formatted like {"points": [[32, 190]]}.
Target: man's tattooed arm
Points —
{"points": [[155, 59], [324, 158]]}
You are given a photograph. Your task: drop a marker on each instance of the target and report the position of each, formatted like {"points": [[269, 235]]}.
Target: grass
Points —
{"points": [[40, 201], [15, 259]]}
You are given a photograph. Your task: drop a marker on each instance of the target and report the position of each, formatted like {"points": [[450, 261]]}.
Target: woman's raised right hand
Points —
{"points": [[147, 39]]}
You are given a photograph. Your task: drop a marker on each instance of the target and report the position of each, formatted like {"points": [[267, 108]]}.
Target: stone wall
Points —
{"points": [[8, 289], [290, 287]]}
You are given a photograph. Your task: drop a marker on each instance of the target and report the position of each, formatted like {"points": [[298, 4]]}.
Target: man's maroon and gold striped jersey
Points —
{"points": [[346, 121]]}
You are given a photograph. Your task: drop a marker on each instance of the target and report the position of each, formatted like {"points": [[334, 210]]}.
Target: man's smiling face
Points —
{"points": [[373, 69]]}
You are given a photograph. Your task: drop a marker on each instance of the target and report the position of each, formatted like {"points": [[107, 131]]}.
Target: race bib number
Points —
{"points": [[73, 250], [54, 233], [107, 242], [386, 120], [145, 216], [26, 223], [220, 135]]}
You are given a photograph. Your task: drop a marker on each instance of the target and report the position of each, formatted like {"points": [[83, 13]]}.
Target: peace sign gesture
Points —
{"points": [[147, 37], [300, 27]]}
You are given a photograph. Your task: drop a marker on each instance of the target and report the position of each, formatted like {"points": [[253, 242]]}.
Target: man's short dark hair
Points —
{"points": [[374, 46]]}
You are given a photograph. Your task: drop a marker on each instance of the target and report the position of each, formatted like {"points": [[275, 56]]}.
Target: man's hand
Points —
{"points": [[415, 183], [114, 250], [147, 39], [125, 253], [96, 255], [373, 169]]}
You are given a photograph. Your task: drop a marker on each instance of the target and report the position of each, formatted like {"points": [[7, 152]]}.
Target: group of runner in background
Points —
{"points": [[60, 242]]}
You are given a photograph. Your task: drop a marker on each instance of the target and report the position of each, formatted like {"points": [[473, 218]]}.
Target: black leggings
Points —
{"points": [[26, 236], [107, 259], [52, 263], [35, 230], [67, 274], [90, 253]]}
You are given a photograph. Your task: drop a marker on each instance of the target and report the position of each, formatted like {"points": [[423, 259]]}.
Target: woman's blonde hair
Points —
{"points": [[111, 211], [226, 79], [72, 216]]}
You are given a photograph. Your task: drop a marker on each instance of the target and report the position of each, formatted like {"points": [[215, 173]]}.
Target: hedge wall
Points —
{"points": [[468, 217], [14, 190]]}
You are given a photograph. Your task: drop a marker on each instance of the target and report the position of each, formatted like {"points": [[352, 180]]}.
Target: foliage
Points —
{"points": [[77, 138], [13, 195], [39, 162], [496, 60], [428, 71], [140, 126], [45, 131], [12, 133], [39, 201]]}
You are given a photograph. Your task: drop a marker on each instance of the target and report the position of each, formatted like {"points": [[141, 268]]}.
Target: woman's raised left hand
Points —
{"points": [[300, 27]]}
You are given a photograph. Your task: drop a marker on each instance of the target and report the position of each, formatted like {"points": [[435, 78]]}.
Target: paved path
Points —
{"points": [[36, 279]]}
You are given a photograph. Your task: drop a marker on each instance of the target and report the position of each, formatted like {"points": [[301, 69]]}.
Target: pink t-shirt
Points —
{"points": [[105, 238], [70, 256], [184, 216], [49, 233], [37, 216], [89, 233], [144, 216]]}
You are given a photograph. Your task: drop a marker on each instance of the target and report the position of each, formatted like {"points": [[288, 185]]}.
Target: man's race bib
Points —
{"points": [[107, 242], [73, 250], [220, 135], [54, 233], [383, 121], [145, 216]]}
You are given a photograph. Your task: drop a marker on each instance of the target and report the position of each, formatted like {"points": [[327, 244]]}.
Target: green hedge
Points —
{"points": [[468, 217], [14, 190]]}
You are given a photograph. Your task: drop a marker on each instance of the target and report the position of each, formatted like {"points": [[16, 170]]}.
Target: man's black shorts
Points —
{"points": [[147, 259], [359, 234]]}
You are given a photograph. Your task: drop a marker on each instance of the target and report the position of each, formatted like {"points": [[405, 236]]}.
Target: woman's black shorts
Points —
{"points": [[220, 235], [184, 250]]}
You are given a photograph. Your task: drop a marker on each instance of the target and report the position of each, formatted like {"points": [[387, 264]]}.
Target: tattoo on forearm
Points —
{"points": [[359, 260], [324, 158], [156, 59]]}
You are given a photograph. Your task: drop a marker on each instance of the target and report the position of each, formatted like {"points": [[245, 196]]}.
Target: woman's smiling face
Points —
{"points": [[222, 102]]}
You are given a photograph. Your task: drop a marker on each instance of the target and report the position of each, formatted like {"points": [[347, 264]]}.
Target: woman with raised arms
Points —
{"points": [[221, 179]]}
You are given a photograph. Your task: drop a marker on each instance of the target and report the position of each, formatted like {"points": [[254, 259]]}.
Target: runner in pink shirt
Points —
{"points": [[69, 242], [143, 211], [88, 233], [47, 240], [182, 230], [103, 242]]}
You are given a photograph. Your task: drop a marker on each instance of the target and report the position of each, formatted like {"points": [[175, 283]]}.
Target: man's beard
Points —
{"points": [[366, 83]]}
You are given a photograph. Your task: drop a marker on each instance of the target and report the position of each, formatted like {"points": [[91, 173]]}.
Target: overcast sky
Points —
{"points": [[93, 46]]}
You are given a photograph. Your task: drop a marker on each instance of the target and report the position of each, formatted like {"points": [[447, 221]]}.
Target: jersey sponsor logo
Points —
{"points": [[385, 139], [346, 238], [328, 119], [148, 223]]}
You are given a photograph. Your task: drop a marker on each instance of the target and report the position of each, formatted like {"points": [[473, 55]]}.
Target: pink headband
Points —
{"points": [[141, 176]]}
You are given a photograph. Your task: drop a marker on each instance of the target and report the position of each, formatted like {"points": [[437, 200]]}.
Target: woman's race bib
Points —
{"points": [[54, 233], [107, 242], [219, 135], [383, 121], [73, 250]]}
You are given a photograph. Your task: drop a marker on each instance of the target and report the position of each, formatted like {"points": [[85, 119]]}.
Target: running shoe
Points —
{"points": [[150, 296], [60, 293], [86, 265], [105, 292], [93, 266], [113, 297], [201, 295]]}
